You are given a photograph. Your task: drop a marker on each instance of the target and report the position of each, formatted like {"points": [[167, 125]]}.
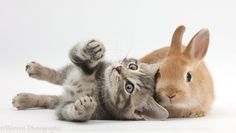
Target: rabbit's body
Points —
{"points": [[177, 63]]}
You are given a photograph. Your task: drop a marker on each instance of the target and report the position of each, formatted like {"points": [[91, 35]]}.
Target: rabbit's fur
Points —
{"points": [[184, 84]]}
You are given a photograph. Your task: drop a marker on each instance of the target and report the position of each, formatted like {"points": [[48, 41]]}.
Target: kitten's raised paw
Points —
{"points": [[94, 50], [85, 105], [34, 70], [24, 100]]}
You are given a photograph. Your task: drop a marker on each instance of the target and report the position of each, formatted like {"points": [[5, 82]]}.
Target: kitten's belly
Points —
{"points": [[77, 85]]}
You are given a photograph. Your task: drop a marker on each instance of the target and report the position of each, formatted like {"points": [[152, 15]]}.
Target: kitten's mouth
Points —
{"points": [[116, 74], [139, 112]]}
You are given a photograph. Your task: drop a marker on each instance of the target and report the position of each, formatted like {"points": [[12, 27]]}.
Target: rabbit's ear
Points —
{"points": [[197, 47], [176, 42]]}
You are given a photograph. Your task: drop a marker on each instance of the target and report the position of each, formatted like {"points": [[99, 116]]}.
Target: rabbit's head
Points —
{"points": [[180, 75]]}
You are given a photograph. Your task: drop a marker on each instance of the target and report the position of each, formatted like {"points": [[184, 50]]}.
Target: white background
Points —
{"points": [[44, 31]]}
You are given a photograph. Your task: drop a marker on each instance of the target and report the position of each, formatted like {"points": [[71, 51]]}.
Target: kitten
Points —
{"points": [[95, 89]]}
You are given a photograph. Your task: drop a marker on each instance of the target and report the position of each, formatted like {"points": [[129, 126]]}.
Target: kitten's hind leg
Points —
{"points": [[28, 100], [80, 110], [87, 55], [37, 71]]}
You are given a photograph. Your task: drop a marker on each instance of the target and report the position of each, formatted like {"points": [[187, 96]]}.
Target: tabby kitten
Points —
{"points": [[95, 89]]}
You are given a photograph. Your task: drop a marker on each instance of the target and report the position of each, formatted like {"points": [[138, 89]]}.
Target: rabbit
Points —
{"points": [[184, 85]]}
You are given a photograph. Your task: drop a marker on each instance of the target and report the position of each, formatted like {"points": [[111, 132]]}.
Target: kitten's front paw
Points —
{"points": [[34, 70], [24, 100], [85, 105], [93, 50]]}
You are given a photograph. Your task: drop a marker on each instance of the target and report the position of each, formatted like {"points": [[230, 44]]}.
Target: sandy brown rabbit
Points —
{"points": [[184, 84]]}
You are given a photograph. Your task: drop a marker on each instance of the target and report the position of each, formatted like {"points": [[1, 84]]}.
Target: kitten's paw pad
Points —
{"points": [[24, 100], [94, 50], [34, 70], [85, 104]]}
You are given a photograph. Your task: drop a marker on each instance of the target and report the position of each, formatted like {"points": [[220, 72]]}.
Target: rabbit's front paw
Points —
{"points": [[194, 114], [198, 114]]}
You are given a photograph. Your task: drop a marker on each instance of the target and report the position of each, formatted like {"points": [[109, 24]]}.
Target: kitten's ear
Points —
{"points": [[151, 68], [151, 110]]}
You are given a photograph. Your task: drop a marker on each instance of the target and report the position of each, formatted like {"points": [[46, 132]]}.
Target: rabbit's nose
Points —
{"points": [[170, 92], [171, 96]]}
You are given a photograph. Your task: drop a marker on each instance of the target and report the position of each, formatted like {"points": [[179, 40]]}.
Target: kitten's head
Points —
{"points": [[130, 88]]}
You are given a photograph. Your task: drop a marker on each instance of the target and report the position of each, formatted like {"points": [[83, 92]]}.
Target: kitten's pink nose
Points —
{"points": [[118, 69]]}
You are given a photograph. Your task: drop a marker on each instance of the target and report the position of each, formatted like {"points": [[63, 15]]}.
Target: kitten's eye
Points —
{"points": [[133, 66], [129, 87], [189, 77]]}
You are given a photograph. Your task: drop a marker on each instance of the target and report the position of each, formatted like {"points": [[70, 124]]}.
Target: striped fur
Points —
{"points": [[95, 89]]}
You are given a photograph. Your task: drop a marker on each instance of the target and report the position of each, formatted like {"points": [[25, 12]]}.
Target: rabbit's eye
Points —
{"points": [[189, 77]]}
